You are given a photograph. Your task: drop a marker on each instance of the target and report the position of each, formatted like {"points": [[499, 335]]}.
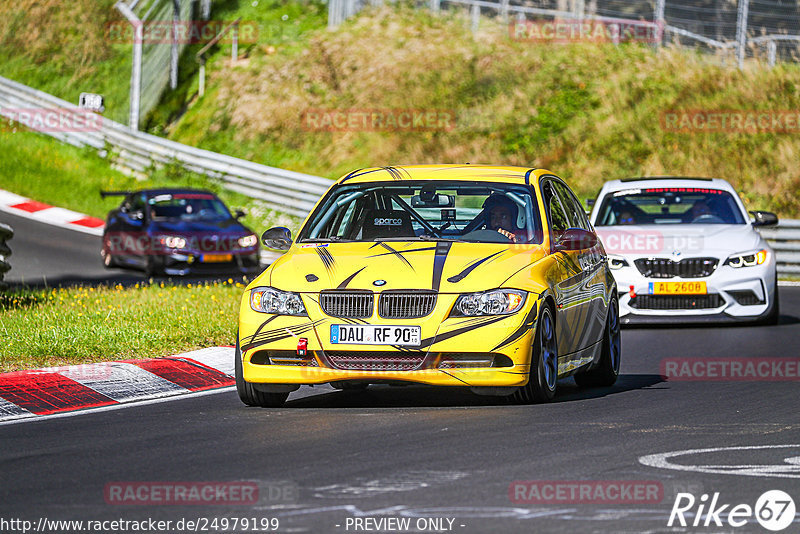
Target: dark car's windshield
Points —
{"points": [[669, 205], [187, 207], [463, 211]]}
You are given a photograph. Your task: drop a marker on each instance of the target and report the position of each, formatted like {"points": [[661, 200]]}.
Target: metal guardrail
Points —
{"points": [[287, 191], [6, 233], [785, 239]]}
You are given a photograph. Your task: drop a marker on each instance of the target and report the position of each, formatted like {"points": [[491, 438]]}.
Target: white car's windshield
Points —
{"points": [[461, 211], [669, 205]]}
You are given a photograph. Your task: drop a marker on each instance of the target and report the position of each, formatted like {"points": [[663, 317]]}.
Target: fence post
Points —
{"points": [[772, 52], [136, 68], [658, 18], [201, 88], [205, 9], [504, 10], [235, 43], [174, 55], [741, 32], [475, 13], [435, 5]]}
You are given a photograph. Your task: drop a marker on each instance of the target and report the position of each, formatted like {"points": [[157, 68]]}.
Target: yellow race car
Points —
{"points": [[484, 277]]}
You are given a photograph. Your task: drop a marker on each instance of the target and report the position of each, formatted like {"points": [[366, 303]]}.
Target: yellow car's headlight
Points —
{"points": [[270, 300], [495, 302], [750, 259]]}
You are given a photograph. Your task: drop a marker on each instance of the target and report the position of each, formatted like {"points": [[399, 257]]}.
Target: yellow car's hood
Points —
{"points": [[448, 267]]}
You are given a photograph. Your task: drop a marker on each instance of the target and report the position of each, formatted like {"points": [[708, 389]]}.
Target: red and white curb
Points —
{"points": [[58, 390], [38, 211]]}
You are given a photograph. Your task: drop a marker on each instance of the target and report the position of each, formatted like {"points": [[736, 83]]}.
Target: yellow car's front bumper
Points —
{"points": [[269, 343]]}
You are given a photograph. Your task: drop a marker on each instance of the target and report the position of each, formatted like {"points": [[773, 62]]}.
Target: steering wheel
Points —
{"points": [[707, 218], [486, 236]]}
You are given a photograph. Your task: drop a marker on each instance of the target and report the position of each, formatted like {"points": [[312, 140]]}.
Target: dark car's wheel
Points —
{"points": [[607, 371], [774, 313], [248, 394], [543, 374]]}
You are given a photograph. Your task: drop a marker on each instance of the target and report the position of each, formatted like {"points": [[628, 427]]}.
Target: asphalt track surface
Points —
{"points": [[417, 452]]}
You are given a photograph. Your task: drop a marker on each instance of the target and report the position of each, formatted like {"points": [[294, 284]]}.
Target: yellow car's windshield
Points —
{"points": [[426, 210]]}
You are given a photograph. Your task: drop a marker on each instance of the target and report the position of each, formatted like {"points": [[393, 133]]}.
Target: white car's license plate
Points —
{"points": [[376, 334]]}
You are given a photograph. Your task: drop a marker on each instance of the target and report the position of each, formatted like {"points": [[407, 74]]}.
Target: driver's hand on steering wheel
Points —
{"points": [[508, 234]]}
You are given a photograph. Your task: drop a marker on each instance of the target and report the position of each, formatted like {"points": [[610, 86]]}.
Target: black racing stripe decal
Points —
{"points": [[427, 342], [471, 267], [453, 376], [326, 258], [395, 174], [277, 334], [398, 255], [349, 279], [261, 327], [526, 325], [442, 248]]}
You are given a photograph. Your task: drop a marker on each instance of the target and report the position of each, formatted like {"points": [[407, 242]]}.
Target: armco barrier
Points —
{"points": [[288, 191], [785, 239], [6, 233]]}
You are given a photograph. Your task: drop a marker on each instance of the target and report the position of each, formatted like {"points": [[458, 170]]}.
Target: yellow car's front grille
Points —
{"points": [[356, 304], [406, 305], [375, 360]]}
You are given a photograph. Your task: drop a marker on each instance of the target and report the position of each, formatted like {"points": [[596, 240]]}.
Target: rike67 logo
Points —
{"points": [[774, 510]]}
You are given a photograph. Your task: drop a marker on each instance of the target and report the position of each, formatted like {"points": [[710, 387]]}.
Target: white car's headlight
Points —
{"points": [[270, 300], [172, 241], [248, 241], [495, 302], [615, 262], [749, 259]]}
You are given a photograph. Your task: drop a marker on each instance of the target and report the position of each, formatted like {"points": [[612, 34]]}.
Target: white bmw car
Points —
{"points": [[685, 250]]}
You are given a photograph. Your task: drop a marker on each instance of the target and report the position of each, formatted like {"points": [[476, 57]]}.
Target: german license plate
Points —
{"points": [[216, 258], [407, 336], [677, 288]]}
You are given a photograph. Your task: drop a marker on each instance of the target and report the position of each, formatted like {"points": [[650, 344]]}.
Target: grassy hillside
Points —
{"points": [[589, 112]]}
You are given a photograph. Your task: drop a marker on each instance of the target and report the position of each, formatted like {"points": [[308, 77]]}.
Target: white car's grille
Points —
{"points": [[667, 268]]}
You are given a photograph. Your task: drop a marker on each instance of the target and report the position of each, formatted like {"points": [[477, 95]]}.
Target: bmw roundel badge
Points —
{"points": [[379, 283]]}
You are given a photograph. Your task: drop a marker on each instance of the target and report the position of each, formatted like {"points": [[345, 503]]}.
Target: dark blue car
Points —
{"points": [[178, 232]]}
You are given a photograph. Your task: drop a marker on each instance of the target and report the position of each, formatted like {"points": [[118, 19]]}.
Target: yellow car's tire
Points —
{"points": [[607, 371], [250, 395], [543, 373]]}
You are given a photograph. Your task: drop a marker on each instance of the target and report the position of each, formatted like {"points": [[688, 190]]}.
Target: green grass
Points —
{"points": [[80, 325], [39, 167], [590, 112]]}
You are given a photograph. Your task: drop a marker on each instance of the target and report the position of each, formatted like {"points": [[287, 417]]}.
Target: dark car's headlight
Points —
{"points": [[270, 300], [173, 241], [248, 241], [750, 259], [495, 302]]}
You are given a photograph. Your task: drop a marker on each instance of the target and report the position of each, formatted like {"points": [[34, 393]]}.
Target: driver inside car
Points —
{"points": [[501, 215]]}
